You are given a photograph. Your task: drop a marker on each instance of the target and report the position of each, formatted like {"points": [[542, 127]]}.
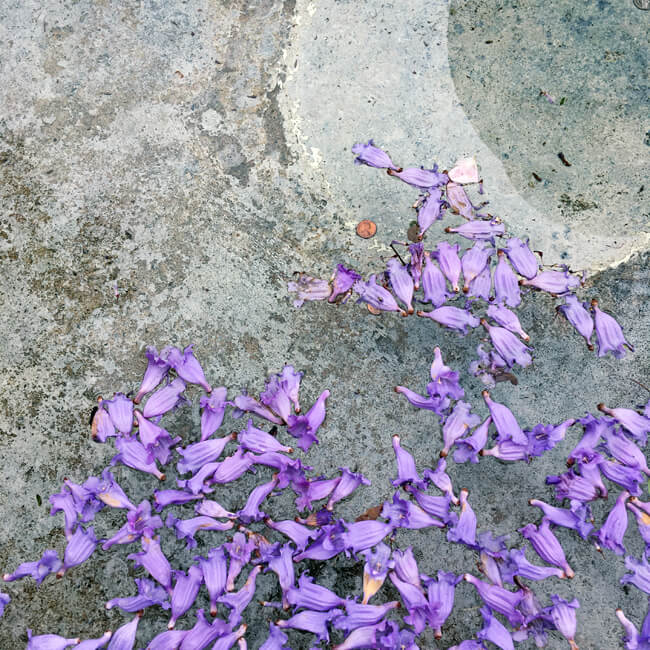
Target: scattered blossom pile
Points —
{"points": [[473, 278], [242, 544]]}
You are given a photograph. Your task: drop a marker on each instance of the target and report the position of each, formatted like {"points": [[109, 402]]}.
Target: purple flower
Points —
{"points": [[330, 542], [239, 600], [457, 424], [479, 229], [309, 621], [148, 594], [452, 318], [232, 467], [349, 482], [406, 470], [361, 535], [575, 518], [504, 421], [102, 426], [499, 599], [120, 410], [575, 312], [165, 399], [375, 295], [429, 210], [213, 408], [304, 427], [5, 599], [187, 366], [632, 639], [414, 602], [556, 283], [314, 490], [421, 178], [636, 424], [609, 334], [139, 522], [401, 282], [415, 263], [246, 404], [563, 616], [124, 637], [494, 631], [508, 451], [362, 615], [156, 371], [440, 596], [546, 545], [239, 551], [133, 454], [281, 391], [506, 286], [481, 285], [187, 528], [441, 480], [214, 569], [276, 639], [312, 596], [508, 319], [94, 644], [342, 282], [375, 569], [300, 535], [251, 511], [468, 448], [203, 633], [368, 154], [282, 565], [308, 288], [164, 498], [509, 347], [624, 450], [78, 549], [629, 478], [464, 531], [434, 506], [522, 258], [516, 564], [450, 264], [434, 285], [39, 570], [49, 642], [474, 262], [642, 515], [154, 562], [156, 440], [611, 533], [571, 486], [195, 456], [406, 567], [404, 514], [640, 576]]}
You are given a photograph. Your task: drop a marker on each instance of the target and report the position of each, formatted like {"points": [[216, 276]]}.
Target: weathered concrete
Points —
{"points": [[198, 154]]}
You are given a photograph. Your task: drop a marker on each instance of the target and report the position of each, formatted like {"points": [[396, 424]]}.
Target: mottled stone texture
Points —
{"points": [[197, 154]]}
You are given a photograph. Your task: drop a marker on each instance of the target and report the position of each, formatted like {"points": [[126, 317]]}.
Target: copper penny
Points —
{"points": [[366, 229]]}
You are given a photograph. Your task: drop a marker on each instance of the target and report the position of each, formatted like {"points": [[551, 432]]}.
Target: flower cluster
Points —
{"points": [[228, 571], [484, 281]]}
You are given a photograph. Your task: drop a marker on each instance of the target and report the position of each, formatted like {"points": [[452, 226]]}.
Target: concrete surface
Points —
{"points": [[198, 153]]}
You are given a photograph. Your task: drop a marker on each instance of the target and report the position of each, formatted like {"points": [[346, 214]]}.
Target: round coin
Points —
{"points": [[366, 229]]}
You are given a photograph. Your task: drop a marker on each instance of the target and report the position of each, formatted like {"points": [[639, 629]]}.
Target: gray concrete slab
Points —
{"points": [[198, 154]]}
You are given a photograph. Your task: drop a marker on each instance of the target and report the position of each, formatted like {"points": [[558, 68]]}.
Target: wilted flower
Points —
{"points": [[575, 312], [376, 296], [613, 530], [511, 349], [575, 518], [636, 424], [494, 631], [459, 201], [479, 229], [154, 561], [457, 424], [401, 282], [440, 600], [504, 421], [556, 283], [609, 334], [564, 618], [148, 594], [508, 319], [522, 258], [499, 599], [214, 569], [78, 549], [49, 642], [423, 178], [464, 171], [375, 569], [464, 530], [434, 285], [506, 286], [452, 318], [342, 282], [165, 399], [429, 210], [368, 154], [156, 371], [312, 596], [546, 545], [310, 621], [120, 410], [213, 408], [474, 262], [308, 288], [450, 264], [39, 570]]}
